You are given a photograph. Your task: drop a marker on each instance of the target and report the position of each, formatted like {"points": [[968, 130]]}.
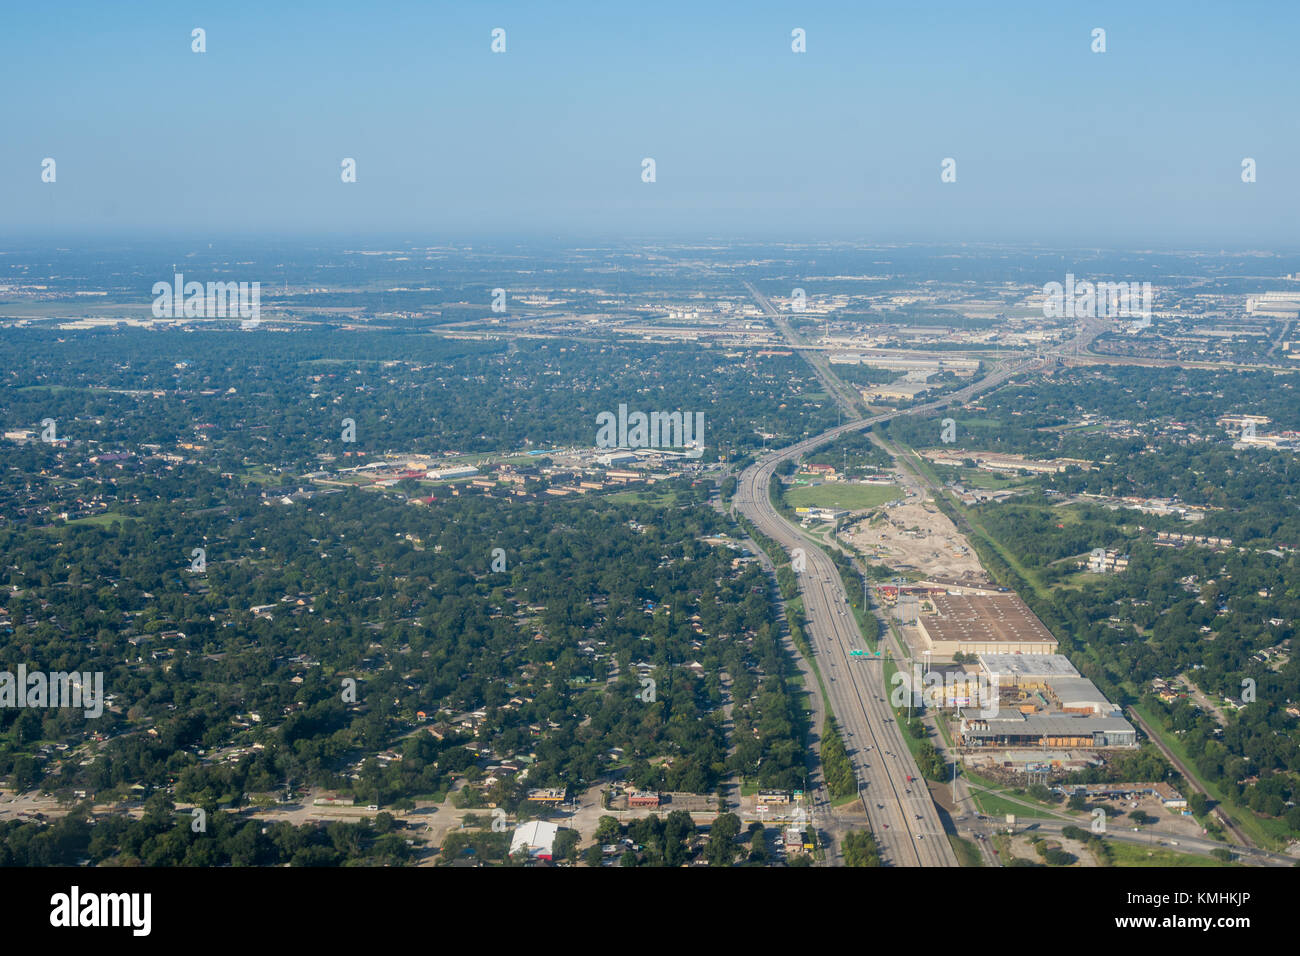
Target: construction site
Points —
{"points": [[915, 536]]}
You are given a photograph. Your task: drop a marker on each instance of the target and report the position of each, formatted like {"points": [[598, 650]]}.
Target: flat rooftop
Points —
{"points": [[1028, 665], [993, 618], [1045, 724]]}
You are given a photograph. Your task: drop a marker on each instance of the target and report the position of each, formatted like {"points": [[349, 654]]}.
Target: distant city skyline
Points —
{"points": [[1141, 146]]}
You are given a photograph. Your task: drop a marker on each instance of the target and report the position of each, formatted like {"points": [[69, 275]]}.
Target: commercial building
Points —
{"points": [[1013, 729], [1028, 671], [992, 461], [1171, 539], [1274, 303], [821, 514], [1044, 702], [906, 362], [462, 471], [537, 837], [547, 796], [1045, 682], [983, 624], [898, 391], [616, 458]]}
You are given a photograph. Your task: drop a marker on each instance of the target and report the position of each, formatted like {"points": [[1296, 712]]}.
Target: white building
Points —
{"points": [[537, 836], [616, 458], [1274, 303], [462, 471]]}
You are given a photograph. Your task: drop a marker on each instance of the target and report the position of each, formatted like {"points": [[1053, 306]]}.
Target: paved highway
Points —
{"points": [[1176, 843], [902, 816]]}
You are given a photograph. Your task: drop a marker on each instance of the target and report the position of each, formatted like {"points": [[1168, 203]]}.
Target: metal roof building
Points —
{"points": [[984, 624], [537, 836], [1011, 729]]}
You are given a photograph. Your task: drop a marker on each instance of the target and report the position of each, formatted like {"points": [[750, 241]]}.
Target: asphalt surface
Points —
{"points": [[901, 814], [906, 824]]}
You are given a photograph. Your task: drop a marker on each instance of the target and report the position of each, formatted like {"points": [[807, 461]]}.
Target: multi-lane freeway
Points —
{"points": [[903, 818]]}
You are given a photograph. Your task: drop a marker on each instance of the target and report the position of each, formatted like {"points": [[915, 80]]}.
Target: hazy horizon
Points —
{"points": [[1139, 146]]}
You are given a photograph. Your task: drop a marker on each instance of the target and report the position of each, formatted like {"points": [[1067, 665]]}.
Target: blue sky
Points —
{"points": [[1140, 145]]}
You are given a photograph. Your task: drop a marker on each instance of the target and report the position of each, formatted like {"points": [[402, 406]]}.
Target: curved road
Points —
{"points": [[903, 818]]}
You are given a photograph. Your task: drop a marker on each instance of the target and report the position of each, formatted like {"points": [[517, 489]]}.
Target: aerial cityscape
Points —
{"points": [[624, 526]]}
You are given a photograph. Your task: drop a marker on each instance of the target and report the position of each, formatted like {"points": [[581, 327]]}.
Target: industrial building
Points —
{"points": [[1014, 729], [1045, 682], [983, 624], [1045, 702], [912, 361], [1274, 303], [616, 458], [898, 391], [441, 474], [993, 461]]}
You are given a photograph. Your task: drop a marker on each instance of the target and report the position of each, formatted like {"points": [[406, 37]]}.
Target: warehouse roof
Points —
{"points": [[1079, 690], [991, 618], [1011, 722], [1028, 665]]}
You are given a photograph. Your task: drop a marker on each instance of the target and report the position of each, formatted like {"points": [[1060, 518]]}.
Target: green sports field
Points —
{"points": [[835, 495]]}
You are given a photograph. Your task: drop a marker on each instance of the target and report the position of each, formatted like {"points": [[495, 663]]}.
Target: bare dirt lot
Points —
{"points": [[915, 535]]}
